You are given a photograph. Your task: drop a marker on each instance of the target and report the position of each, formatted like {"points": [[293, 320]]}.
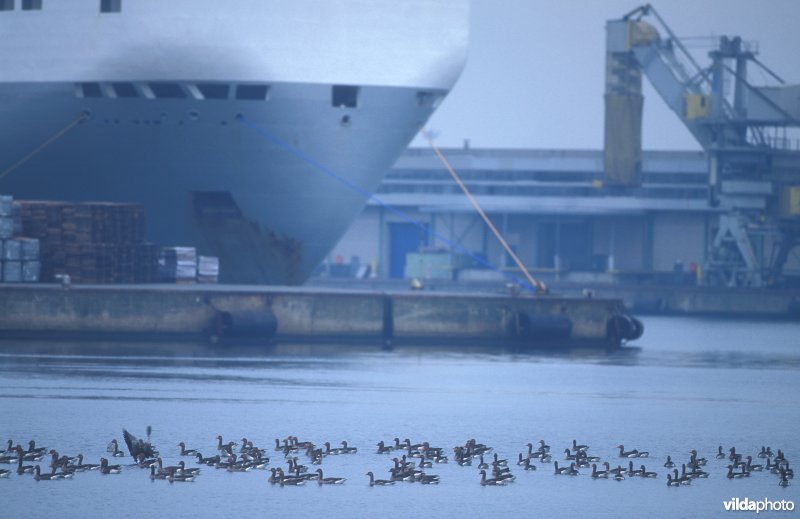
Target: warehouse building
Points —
{"points": [[552, 208]]}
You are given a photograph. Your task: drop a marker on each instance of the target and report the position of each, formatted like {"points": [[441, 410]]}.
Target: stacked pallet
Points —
{"points": [[178, 264], [92, 242], [19, 256], [207, 269]]}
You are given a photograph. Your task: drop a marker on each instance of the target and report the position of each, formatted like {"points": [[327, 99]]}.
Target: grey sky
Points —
{"points": [[535, 73]]}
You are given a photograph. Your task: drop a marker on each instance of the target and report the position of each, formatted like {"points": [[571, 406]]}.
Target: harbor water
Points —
{"points": [[687, 384]]}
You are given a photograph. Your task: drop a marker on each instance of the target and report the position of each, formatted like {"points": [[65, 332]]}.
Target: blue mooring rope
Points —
{"points": [[369, 196]]}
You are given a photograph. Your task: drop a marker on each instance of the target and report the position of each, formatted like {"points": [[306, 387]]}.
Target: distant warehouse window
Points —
{"points": [[345, 96], [6, 5], [31, 5], [110, 6]]}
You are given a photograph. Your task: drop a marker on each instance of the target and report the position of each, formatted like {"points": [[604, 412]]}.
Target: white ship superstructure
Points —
{"points": [[165, 86]]}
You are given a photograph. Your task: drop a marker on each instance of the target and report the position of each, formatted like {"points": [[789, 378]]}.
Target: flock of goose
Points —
{"points": [[409, 462]]}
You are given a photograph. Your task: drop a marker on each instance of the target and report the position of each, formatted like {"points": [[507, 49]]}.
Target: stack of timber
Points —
{"points": [[178, 264], [207, 269], [19, 256], [91, 242]]}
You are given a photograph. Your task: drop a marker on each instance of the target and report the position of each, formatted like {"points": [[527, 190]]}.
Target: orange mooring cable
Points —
{"points": [[540, 287], [63, 131]]}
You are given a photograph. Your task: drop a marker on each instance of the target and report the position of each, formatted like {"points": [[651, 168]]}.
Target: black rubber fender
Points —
{"points": [[619, 327], [624, 327], [246, 324], [638, 328]]}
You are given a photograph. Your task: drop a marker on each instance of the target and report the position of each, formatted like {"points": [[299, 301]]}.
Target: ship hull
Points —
{"points": [[269, 186], [252, 130]]}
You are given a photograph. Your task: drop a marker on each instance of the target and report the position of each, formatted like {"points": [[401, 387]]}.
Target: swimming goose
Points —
{"points": [[27, 456], [482, 465], [503, 475], [528, 465], [475, 449], [694, 460], [246, 447], [731, 474], [627, 454], [328, 451], [295, 467], [32, 449], [329, 481], [22, 469], [581, 462], [144, 463], [492, 481], [751, 467], [81, 466], [383, 449], [105, 468], [183, 470], [425, 464], [672, 482], [166, 470], [583, 456], [669, 464], [206, 461], [560, 470], [720, 454], [181, 478], [9, 449], [185, 451], [646, 474], [225, 449], [568, 455], [431, 452], [578, 448], [785, 468], [347, 450], [38, 476], [597, 474], [378, 482], [428, 479], [155, 475], [60, 461], [633, 472], [298, 445], [113, 449], [502, 463], [284, 480], [136, 446], [784, 482], [682, 480], [732, 456], [408, 446], [695, 473]]}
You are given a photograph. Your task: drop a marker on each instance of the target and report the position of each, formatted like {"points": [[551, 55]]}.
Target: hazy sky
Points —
{"points": [[535, 74]]}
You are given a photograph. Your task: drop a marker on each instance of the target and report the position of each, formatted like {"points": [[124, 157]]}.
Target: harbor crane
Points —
{"points": [[748, 132]]}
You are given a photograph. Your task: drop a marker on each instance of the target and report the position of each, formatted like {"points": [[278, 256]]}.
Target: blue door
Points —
{"points": [[404, 238]]}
